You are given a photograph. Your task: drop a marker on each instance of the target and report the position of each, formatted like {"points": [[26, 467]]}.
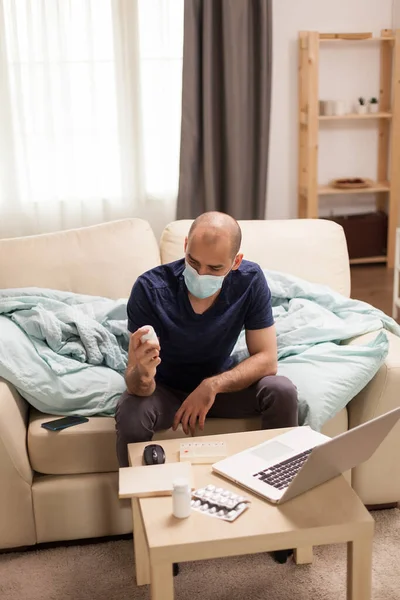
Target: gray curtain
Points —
{"points": [[226, 98]]}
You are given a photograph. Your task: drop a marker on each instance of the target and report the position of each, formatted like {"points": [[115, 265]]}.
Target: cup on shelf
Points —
{"points": [[329, 108], [339, 107], [322, 106]]}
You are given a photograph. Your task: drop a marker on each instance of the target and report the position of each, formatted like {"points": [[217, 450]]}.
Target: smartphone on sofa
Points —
{"points": [[63, 423]]}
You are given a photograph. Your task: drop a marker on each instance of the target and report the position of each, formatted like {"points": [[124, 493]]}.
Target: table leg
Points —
{"points": [[162, 582], [304, 555], [359, 568], [142, 562]]}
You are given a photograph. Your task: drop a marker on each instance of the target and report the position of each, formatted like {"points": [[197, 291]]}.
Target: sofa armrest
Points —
{"points": [[377, 481], [17, 525]]}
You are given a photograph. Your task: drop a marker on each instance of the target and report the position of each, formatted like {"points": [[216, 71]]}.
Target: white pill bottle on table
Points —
{"points": [[181, 497]]}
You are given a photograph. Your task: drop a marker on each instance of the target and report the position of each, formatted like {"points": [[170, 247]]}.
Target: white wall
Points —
{"points": [[396, 14], [346, 72]]}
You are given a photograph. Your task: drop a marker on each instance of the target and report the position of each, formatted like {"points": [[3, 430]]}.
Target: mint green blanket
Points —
{"points": [[66, 353], [313, 324]]}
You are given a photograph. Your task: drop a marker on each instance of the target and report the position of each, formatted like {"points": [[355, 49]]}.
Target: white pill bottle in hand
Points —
{"points": [[150, 336], [181, 498]]}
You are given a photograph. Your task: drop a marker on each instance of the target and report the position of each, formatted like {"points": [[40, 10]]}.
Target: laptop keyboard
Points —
{"points": [[281, 474]]}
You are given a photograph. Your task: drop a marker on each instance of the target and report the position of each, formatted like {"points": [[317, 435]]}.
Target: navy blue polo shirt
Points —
{"points": [[194, 347]]}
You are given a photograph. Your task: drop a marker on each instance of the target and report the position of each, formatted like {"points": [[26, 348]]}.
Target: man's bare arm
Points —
{"points": [[262, 347], [143, 360], [137, 384]]}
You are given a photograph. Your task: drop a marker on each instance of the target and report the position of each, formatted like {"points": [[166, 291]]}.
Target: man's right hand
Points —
{"points": [[146, 355]]}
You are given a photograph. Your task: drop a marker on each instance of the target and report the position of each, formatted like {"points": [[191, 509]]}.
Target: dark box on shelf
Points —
{"points": [[366, 234]]}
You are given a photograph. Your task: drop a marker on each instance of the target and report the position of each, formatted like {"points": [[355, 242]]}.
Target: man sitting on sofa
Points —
{"points": [[198, 306]]}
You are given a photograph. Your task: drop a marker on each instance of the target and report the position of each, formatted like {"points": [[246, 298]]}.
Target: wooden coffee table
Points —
{"points": [[331, 513]]}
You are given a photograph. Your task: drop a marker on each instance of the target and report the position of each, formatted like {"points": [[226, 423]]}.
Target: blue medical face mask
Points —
{"points": [[202, 286]]}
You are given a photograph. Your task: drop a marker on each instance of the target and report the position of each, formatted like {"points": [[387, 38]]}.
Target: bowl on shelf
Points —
{"points": [[351, 183]]}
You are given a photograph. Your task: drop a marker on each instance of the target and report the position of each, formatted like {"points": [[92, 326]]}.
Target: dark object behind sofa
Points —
{"points": [[366, 234]]}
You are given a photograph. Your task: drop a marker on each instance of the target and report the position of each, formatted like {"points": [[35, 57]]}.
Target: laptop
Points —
{"points": [[297, 461]]}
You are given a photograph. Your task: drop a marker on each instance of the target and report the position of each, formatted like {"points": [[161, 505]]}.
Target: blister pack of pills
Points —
{"points": [[218, 502]]}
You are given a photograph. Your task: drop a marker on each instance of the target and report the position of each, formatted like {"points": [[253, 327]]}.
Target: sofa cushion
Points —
{"points": [[85, 448], [103, 260], [313, 249], [90, 447]]}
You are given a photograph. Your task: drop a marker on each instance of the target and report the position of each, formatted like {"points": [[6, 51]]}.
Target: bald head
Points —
{"points": [[213, 227]]}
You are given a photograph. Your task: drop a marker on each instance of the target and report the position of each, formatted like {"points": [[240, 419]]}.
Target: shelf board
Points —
{"points": [[379, 115], [377, 187], [371, 39], [368, 260]]}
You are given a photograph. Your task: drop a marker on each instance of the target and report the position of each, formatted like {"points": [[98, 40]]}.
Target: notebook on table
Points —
{"points": [[152, 480]]}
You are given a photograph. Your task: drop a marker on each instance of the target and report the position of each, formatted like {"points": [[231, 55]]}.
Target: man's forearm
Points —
{"points": [[137, 384], [243, 375]]}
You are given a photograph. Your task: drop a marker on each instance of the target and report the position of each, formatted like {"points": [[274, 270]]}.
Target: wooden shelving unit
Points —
{"points": [[387, 185]]}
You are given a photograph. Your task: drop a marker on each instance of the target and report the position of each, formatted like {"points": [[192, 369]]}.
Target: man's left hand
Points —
{"points": [[195, 407]]}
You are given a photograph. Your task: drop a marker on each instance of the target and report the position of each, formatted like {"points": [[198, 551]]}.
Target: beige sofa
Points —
{"points": [[64, 486]]}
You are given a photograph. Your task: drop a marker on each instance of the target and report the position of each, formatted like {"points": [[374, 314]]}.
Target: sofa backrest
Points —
{"points": [[102, 260], [314, 249]]}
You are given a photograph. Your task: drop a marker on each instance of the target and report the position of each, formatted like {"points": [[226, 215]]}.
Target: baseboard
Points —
{"points": [[58, 544], [382, 506]]}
